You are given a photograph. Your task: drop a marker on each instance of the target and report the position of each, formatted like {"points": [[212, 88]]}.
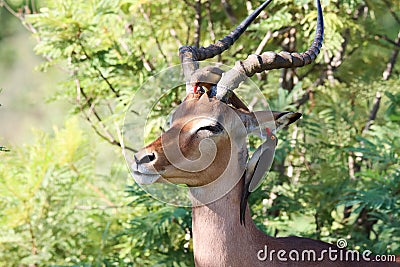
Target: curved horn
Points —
{"points": [[270, 60], [189, 55]]}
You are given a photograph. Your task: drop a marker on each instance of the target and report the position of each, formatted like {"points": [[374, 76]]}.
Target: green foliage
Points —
{"points": [[160, 236], [42, 187], [321, 186]]}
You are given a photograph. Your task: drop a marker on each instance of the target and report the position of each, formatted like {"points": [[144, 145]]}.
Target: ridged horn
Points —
{"points": [[270, 60]]}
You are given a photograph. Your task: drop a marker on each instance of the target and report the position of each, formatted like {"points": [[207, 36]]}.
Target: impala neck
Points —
{"points": [[218, 236]]}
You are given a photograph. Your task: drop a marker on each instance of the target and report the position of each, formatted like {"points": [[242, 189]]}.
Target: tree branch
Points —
{"points": [[105, 79], [337, 59], [173, 34], [33, 5], [387, 39], [392, 12], [189, 3], [249, 7], [270, 35], [107, 135], [263, 42], [373, 113], [211, 25], [210, 21], [229, 12], [332, 64], [146, 63], [288, 74], [147, 18], [9, 9], [390, 65], [197, 23], [19, 15], [304, 98]]}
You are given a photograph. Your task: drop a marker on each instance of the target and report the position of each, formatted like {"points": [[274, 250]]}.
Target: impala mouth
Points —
{"points": [[144, 175], [145, 179]]}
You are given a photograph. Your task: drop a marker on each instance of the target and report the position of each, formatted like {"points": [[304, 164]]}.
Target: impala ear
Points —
{"points": [[283, 119], [274, 120]]}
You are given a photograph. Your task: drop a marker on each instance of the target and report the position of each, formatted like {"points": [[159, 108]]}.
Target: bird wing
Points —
{"points": [[260, 163], [257, 166]]}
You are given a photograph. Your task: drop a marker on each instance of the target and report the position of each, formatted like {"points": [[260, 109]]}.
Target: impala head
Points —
{"points": [[207, 137], [197, 147]]}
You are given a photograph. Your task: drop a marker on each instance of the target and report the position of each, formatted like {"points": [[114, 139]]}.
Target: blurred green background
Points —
{"points": [[68, 69]]}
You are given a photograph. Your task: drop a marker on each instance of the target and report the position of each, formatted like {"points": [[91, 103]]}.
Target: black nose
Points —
{"points": [[145, 159]]}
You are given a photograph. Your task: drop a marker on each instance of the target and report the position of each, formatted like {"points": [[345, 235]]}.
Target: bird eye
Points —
{"points": [[213, 129]]}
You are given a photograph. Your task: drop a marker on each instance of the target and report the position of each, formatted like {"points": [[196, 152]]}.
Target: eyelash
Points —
{"points": [[215, 129]]}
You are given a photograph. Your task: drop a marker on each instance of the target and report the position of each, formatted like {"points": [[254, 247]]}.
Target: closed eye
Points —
{"points": [[213, 129]]}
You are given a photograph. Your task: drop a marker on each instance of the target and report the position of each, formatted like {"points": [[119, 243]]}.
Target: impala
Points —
{"points": [[205, 149]]}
